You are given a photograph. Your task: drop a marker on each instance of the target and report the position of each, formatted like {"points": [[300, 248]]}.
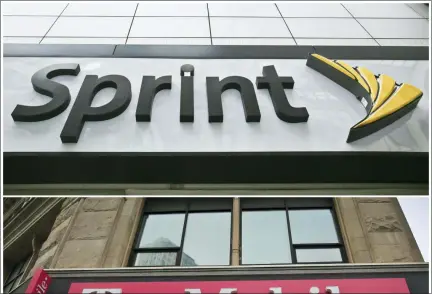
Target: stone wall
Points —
{"points": [[50, 246], [376, 231], [90, 233]]}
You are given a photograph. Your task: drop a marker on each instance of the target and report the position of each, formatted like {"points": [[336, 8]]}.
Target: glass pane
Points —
{"points": [[207, 239], [162, 230], [265, 237], [319, 255], [312, 226], [155, 259]]}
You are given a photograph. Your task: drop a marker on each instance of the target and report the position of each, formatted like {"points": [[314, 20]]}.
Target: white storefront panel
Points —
{"points": [[332, 109]]}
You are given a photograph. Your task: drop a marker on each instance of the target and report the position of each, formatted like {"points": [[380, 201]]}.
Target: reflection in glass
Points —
{"points": [[319, 255], [162, 230], [312, 226], [265, 237], [155, 259], [207, 240]]}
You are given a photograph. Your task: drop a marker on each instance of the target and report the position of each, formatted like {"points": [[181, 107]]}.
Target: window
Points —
{"points": [[184, 232], [14, 278], [265, 238], [198, 231], [291, 230]]}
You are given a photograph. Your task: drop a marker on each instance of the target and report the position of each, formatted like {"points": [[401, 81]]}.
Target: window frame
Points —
{"points": [[290, 204], [136, 249]]}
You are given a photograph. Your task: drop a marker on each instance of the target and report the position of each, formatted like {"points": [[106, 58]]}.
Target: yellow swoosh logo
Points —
{"points": [[387, 101]]}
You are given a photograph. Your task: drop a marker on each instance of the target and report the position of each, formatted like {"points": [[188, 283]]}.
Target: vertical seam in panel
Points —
{"points": [[415, 11], [130, 28], [361, 25], [53, 23], [208, 17], [286, 24]]}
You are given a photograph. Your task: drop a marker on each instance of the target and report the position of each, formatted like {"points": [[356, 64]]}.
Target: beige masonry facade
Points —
{"points": [[99, 232]]}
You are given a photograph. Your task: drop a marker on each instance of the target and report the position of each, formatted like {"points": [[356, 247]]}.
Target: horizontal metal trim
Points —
{"points": [[240, 270], [213, 187], [177, 37], [215, 167], [222, 190], [213, 16], [215, 52], [220, 193]]}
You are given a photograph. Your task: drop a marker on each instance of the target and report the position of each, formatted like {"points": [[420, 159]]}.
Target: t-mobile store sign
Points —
{"points": [[388, 285], [39, 283]]}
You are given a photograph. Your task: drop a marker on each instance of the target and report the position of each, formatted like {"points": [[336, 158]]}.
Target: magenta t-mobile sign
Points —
{"points": [[334, 286], [39, 283]]}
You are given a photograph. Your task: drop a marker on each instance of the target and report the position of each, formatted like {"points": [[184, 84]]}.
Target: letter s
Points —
{"points": [[42, 84]]}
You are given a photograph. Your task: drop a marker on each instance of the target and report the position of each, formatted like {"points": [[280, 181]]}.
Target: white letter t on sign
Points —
{"points": [[222, 291]]}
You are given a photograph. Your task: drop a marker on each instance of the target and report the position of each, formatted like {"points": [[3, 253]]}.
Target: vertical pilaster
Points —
{"points": [[123, 234], [88, 235], [376, 230], [235, 244], [343, 230]]}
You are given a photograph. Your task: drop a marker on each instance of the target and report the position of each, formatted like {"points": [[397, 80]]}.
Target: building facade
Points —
{"points": [[86, 243], [125, 98], [303, 111]]}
